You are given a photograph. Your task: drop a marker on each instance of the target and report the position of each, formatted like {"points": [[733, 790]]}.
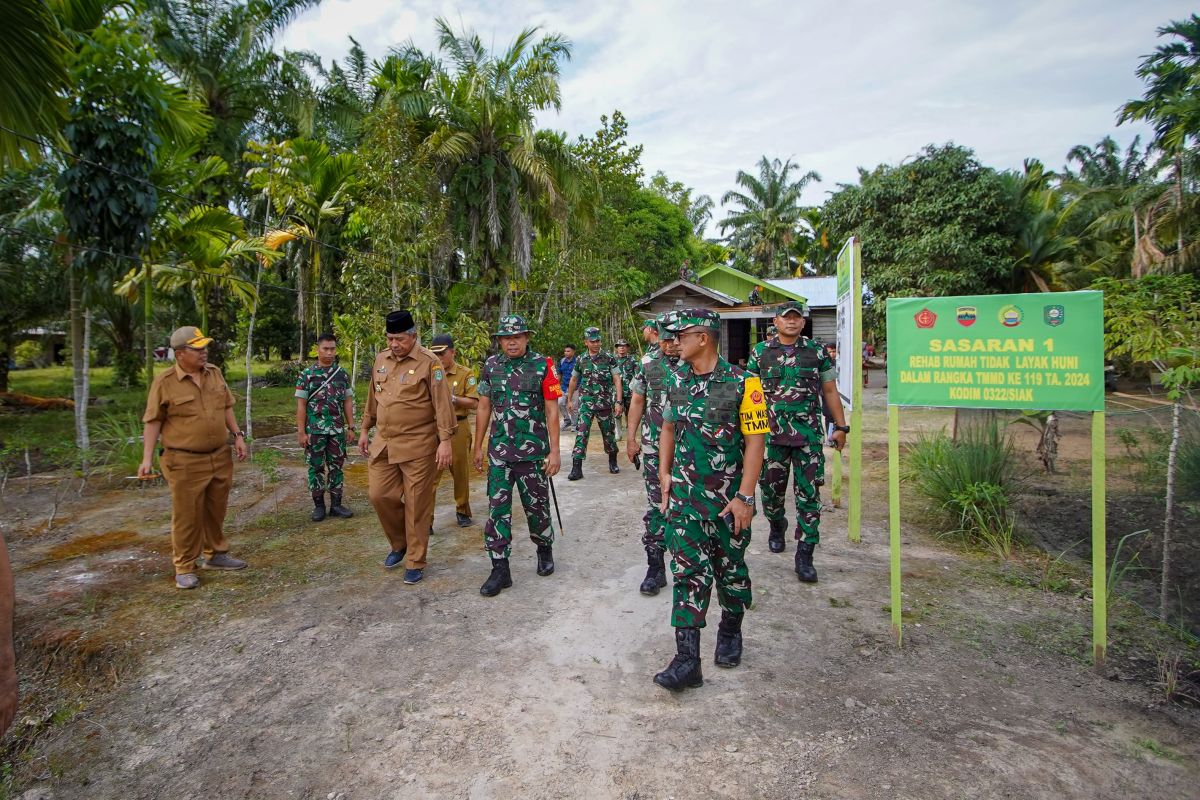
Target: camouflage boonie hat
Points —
{"points": [[511, 325], [695, 318], [792, 306], [592, 334]]}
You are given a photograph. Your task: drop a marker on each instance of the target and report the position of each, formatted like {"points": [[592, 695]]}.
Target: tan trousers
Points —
{"points": [[402, 495], [460, 470], [199, 496]]}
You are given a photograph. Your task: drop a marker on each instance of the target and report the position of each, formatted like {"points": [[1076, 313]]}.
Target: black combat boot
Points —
{"points": [[656, 575], [612, 463], [804, 566], [545, 560], [318, 506], [775, 541], [684, 670], [729, 640], [500, 578], [576, 469], [336, 509]]}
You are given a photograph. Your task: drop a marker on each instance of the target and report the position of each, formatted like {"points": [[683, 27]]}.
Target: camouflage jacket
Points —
{"points": [[791, 378], [595, 378], [627, 366], [650, 381], [324, 391], [706, 469], [517, 390]]}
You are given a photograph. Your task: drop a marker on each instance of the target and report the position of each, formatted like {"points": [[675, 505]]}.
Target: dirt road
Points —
{"points": [[361, 687]]}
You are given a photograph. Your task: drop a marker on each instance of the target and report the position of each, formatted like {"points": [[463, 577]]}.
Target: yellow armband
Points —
{"points": [[753, 411]]}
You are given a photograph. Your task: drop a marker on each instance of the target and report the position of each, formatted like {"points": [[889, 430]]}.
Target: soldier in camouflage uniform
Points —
{"points": [[324, 418], [711, 450], [796, 373], [598, 381], [518, 417], [646, 396], [627, 365]]}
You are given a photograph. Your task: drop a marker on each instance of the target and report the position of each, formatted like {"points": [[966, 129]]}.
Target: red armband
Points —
{"points": [[551, 385]]}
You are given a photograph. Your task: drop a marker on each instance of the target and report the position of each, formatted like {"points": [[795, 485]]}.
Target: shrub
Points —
{"points": [[970, 479], [285, 374], [28, 354]]}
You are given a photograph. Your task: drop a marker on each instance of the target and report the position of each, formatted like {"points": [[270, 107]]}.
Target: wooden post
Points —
{"points": [[894, 517], [1099, 547]]}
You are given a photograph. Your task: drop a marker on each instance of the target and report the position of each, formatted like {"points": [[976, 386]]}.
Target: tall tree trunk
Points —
{"points": [[316, 291], [1179, 199], [354, 365], [1172, 458], [300, 272], [147, 334], [80, 341], [247, 421], [5, 354], [1135, 268]]}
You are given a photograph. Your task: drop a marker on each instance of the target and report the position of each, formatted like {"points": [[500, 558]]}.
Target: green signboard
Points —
{"points": [[1022, 351]]}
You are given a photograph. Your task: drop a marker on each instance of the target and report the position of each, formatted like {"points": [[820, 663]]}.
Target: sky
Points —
{"points": [[708, 88]]}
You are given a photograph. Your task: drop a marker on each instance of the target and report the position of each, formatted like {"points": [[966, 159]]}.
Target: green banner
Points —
{"points": [[1025, 351]]}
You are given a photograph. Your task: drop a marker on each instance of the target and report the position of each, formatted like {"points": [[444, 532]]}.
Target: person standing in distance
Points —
{"points": [[324, 420], [711, 450], [796, 374], [191, 408], [518, 402], [465, 398], [409, 404], [566, 368], [626, 365], [598, 382], [646, 396]]}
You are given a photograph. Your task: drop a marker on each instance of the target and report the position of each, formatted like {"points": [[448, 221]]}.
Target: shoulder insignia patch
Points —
{"points": [[437, 374], [471, 381]]}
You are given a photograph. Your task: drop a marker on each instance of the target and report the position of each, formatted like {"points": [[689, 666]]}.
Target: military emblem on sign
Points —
{"points": [[925, 318], [1054, 315], [966, 316], [1011, 316]]}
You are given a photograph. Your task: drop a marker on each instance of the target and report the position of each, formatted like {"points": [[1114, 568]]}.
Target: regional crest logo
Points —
{"points": [[925, 318], [1054, 315], [966, 316], [1011, 316]]}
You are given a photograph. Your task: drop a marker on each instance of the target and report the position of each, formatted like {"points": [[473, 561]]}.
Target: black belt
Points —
{"points": [[194, 452]]}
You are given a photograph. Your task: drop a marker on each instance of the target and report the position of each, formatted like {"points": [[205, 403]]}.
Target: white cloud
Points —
{"points": [[709, 86]]}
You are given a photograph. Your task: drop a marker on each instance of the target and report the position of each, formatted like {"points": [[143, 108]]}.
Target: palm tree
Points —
{"points": [[221, 50], [1171, 101], [33, 75], [769, 213], [494, 168], [313, 195]]}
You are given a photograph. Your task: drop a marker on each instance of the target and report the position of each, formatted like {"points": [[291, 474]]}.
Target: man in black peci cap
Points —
{"points": [[409, 404]]}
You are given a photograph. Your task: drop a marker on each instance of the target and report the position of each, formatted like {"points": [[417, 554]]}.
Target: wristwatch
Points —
{"points": [[239, 433], [842, 428], [747, 499]]}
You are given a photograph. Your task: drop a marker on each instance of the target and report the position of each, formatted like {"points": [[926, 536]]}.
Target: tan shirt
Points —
{"points": [[463, 384], [190, 408], [409, 404]]}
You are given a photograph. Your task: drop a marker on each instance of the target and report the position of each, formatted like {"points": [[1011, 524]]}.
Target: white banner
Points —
{"points": [[849, 303]]}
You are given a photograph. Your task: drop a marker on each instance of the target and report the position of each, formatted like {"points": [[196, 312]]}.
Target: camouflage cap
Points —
{"points": [[695, 318], [592, 334], [664, 323], [650, 323], [790, 307], [621, 343], [511, 325], [772, 330]]}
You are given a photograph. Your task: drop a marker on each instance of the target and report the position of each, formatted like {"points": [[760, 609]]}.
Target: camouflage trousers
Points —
{"points": [[325, 454], [534, 487], [608, 429], [807, 465], [656, 523], [704, 551]]}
